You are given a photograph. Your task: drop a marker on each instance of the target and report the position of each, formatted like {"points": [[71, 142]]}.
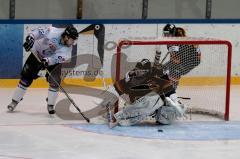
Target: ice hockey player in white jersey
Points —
{"points": [[53, 46]]}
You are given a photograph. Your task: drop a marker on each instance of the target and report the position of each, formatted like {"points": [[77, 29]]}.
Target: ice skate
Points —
{"points": [[112, 124], [51, 109], [12, 105]]}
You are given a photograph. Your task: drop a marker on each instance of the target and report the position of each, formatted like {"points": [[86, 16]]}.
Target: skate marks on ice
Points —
{"points": [[211, 130]]}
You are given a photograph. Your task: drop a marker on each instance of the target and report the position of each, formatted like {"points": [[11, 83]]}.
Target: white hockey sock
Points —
{"points": [[19, 93], [52, 96]]}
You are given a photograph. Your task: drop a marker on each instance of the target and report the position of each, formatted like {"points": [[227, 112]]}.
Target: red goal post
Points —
{"points": [[223, 48]]}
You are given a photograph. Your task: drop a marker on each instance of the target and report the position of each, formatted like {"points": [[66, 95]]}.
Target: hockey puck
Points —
{"points": [[160, 130]]}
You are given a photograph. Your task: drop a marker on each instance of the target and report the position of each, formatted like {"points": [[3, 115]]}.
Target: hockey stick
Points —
{"points": [[62, 89], [159, 54], [164, 58], [187, 98]]}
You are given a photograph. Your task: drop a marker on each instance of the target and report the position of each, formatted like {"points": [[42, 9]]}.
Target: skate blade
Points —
{"points": [[10, 108], [112, 125], [51, 115]]}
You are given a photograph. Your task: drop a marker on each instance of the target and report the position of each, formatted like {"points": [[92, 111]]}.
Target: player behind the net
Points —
{"points": [[151, 94], [183, 58], [50, 47]]}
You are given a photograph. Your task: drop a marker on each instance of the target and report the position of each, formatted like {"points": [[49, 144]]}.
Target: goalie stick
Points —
{"points": [[158, 56], [187, 98], [164, 58]]}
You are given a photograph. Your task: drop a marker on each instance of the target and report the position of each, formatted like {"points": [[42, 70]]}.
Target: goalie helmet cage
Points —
{"points": [[208, 84]]}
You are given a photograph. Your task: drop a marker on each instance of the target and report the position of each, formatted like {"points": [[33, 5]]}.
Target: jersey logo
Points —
{"points": [[53, 47], [42, 31], [52, 44], [60, 59], [54, 40]]}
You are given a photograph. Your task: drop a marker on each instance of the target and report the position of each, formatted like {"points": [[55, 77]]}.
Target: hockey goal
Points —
{"points": [[206, 85]]}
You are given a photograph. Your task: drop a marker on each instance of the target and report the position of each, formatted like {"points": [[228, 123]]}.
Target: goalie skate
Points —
{"points": [[113, 124]]}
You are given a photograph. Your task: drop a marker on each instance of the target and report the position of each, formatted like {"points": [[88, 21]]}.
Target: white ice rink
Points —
{"points": [[29, 133]]}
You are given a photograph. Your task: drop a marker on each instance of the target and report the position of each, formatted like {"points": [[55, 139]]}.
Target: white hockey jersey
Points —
{"points": [[47, 45]]}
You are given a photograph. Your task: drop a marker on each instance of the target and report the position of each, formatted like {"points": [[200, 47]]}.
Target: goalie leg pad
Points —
{"points": [[110, 97], [173, 101], [166, 115], [139, 110], [173, 109]]}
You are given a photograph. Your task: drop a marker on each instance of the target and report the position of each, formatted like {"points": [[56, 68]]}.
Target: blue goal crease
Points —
{"points": [[178, 131]]}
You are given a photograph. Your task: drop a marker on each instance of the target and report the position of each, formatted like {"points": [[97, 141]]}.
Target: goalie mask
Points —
{"points": [[145, 64], [169, 30]]}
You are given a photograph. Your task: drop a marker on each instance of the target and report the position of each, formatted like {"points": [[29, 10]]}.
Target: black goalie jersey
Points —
{"points": [[143, 79]]}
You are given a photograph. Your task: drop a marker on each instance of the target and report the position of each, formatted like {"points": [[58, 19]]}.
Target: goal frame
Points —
{"points": [[182, 42]]}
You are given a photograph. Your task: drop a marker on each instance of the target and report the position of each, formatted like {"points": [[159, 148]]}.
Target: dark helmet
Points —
{"points": [[72, 32], [145, 64], [169, 29]]}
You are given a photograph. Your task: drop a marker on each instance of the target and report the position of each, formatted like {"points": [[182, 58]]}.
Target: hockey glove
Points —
{"points": [[44, 62], [28, 43]]}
